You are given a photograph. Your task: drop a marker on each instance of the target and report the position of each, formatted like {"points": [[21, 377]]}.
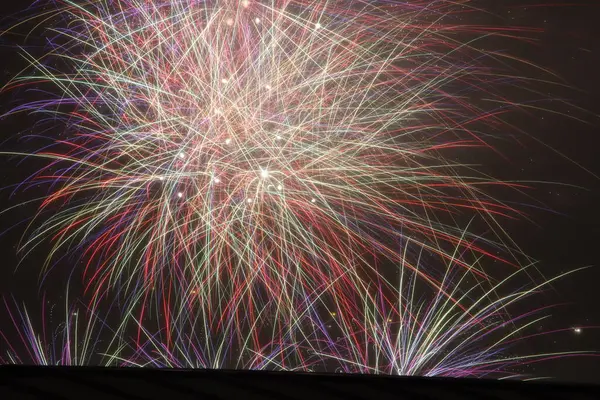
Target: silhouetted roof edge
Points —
{"points": [[33, 382]]}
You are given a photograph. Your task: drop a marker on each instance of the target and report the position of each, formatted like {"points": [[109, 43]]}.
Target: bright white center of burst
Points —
{"points": [[217, 180], [318, 26], [577, 330], [180, 195], [227, 141], [268, 87], [279, 187], [245, 3], [313, 200], [264, 173], [257, 20], [161, 178], [278, 137], [181, 155], [249, 200], [229, 21], [224, 80]]}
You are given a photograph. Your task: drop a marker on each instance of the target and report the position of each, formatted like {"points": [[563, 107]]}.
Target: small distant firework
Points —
{"points": [[75, 340], [188, 343]]}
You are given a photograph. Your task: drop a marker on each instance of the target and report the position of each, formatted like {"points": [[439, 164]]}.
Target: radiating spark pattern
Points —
{"points": [[73, 341], [470, 332], [261, 150]]}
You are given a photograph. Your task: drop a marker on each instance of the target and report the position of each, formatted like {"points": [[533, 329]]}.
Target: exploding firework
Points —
{"points": [[450, 332], [238, 152]]}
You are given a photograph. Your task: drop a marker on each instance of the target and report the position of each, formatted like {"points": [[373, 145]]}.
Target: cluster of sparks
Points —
{"points": [[257, 177]]}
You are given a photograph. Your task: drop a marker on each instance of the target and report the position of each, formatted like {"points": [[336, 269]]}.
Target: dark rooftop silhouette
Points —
{"points": [[90, 383]]}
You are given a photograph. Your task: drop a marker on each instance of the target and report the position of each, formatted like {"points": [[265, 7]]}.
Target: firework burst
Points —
{"points": [[448, 332], [252, 159]]}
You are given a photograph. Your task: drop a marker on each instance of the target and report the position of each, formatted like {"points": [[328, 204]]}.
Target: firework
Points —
{"points": [[233, 152], [190, 343], [448, 332], [74, 341]]}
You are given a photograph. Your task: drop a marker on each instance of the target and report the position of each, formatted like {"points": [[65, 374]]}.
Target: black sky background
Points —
{"points": [[564, 236]]}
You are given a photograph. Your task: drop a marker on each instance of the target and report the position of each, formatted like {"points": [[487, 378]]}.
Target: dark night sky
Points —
{"points": [[562, 239]]}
